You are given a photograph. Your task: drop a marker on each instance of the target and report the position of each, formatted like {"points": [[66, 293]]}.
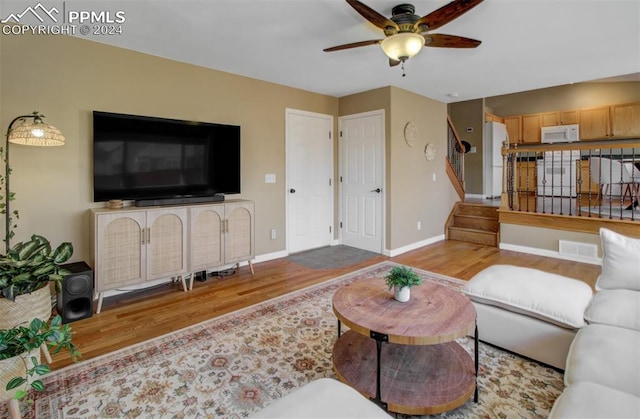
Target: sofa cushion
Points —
{"points": [[322, 398], [605, 355], [615, 308], [620, 262], [549, 297], [589, 400]]}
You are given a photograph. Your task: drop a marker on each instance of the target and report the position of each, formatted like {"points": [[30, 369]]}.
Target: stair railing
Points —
{"points": [[583, 179], [455, 159]]}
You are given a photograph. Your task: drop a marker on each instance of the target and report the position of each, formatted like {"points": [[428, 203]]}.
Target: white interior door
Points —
{"points": [[362, 178], [309, 161]]}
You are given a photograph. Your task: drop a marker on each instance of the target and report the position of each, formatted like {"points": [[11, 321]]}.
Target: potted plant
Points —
{"points": [[19, 355], [401, 279], [28, 266], [25, 274]]}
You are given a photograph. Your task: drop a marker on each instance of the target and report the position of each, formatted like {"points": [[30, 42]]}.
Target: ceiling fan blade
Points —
{"points": [[353, 45], [446, 14], [393, 63], [441, 40], [373, 16]]}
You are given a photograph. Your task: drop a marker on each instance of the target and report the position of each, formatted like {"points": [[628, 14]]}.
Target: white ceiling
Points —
{"points": [[526, 44]]}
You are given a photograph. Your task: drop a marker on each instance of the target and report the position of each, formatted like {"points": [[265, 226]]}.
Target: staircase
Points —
{"points": [[474, 223]]}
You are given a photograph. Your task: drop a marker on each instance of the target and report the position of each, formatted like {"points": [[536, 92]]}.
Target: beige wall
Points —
{"points": [[572, 96], [413, 195], [544, 238], [470, 114], [67, 78]]}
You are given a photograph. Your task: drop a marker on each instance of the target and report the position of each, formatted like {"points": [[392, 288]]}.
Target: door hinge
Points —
{"points": [[340, 179], [329, 134], [340, 224], [329, 181], [329, 229], [341, 133]]}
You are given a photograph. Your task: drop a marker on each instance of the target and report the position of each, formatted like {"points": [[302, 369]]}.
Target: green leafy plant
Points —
{"points": [[402, 276], [19, 341], [30, 265]]}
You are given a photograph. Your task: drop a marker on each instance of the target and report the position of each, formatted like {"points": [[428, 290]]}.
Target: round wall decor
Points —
{"points": [[410, 133], [430, 151]]}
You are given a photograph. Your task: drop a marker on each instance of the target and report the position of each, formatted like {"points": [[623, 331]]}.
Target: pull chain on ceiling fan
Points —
{"points": [[406, 33]]}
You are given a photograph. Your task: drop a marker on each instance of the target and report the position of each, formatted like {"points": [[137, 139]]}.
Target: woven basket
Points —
{"points": [[14, 367], [26, 308]]}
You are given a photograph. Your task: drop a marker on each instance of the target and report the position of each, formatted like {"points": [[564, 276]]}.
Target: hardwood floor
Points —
{"points": [[165, 309]]}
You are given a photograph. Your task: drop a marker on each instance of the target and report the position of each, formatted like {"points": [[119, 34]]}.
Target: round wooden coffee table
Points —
{"points": [[404, 355]]}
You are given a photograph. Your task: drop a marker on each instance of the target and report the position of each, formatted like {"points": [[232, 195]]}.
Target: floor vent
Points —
{"points": [[578, 250]]}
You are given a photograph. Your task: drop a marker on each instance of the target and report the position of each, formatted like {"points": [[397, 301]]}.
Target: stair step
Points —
{"points": [[478, 210], [476, 222], [473, 236]]}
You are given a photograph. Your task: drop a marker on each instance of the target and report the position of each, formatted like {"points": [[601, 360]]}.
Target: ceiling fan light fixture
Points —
{"points": [[402, 46]]}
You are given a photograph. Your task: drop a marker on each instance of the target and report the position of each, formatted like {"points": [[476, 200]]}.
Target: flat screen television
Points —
{"points": [[155, 159]]}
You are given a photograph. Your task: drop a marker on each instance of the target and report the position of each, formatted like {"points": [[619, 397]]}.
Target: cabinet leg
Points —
{"points": [[45, 353], [184, 283], [191, 275], [250, 267], [14, 409], [99, 308]]}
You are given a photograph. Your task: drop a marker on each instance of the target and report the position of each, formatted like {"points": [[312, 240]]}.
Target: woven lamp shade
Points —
{"points": [[36, 133]]}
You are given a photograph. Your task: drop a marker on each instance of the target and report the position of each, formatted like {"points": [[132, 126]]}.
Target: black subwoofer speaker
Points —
{"points": [[75, 301]]}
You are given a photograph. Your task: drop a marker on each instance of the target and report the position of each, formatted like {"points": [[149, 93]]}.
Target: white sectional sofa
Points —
{"points": [[602, 375], [557, 321]]}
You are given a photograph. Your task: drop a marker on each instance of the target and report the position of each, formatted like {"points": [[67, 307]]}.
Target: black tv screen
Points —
{"points": [[140, 157]]}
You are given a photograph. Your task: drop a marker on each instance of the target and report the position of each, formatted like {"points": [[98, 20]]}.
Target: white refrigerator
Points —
{"points": [[495, 133]]}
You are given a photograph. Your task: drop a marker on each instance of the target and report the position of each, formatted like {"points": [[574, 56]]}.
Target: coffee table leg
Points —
{"points": [[339, 327], [475, 396], [379, 338]]}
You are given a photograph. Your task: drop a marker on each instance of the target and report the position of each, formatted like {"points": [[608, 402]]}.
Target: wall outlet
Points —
{"points": [[419, 225], [434, 176], [270, 178], [273, 234], [473, 150]]}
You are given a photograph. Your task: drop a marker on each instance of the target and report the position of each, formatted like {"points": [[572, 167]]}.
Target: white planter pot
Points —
{"points": [[402, 294]]}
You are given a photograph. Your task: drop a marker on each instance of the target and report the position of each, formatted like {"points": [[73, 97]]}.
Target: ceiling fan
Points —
{"points": [[406, 33]]}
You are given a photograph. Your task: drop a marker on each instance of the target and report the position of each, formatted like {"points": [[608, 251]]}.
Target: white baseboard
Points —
{"points": [[474, 196], [548, 253], [268, 256], [413, 246]]}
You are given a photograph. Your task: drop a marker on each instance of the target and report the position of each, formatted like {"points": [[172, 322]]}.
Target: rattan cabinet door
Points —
{"points": [[120, 249], [205, 237], [166, 242], [239, 232]]}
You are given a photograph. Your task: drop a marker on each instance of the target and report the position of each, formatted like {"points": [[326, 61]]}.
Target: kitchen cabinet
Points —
{"points": [[133, 245], [514, 126], [550, 119], [625, 120], [530, 129], [594, 123], [525, 184]]}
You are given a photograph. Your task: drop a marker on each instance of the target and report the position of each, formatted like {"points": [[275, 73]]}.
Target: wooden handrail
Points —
{"points": [[455, 134], [581, 145]]}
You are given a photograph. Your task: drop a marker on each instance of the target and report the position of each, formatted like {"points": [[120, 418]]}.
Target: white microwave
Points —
{"points": [[560, 134]]}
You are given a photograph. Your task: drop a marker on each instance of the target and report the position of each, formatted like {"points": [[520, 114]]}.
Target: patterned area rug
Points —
{"points": [[236, 364]]}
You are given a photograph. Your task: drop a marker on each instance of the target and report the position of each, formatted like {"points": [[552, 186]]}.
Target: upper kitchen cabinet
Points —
{"points": [[550, 119], [514, 127], [594, 123], [625, 120], [531, 128]]}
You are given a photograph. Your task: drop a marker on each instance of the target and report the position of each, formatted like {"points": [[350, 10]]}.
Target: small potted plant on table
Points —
{"points": [[401, 279]]}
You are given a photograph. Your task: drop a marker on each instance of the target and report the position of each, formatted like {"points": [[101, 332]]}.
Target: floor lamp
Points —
{"points": [[28, 130]]}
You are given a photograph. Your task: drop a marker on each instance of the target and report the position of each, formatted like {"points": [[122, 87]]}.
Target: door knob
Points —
{"points": [[377, 190], [292, 190]]}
